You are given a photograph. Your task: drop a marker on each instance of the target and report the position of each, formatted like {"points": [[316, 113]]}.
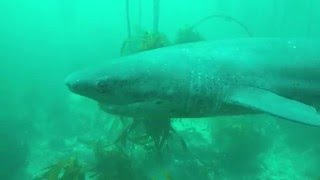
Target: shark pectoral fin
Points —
{"points": [[271, 103]]}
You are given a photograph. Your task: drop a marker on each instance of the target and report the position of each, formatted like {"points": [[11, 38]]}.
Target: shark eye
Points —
{"points": [[102, 86]]}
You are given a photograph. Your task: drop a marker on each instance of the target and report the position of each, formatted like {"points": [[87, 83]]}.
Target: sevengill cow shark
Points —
{"points": [[279, 77]]}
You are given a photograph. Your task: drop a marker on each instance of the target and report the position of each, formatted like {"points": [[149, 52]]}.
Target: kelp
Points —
{"points": [[188, 35], [113, 163], [148, 40], [66, 169], [149, 132], [144, 41], [235, 137], [227, 18]]}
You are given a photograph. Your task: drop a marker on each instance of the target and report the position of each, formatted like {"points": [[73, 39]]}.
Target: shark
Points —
{"points": [[275, 76]]}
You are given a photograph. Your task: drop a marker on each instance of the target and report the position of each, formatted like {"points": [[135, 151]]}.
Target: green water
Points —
{"points": [[43, 124]]}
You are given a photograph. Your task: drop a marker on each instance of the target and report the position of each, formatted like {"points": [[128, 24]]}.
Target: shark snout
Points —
{"points": [[72, 85], [77, 83]]}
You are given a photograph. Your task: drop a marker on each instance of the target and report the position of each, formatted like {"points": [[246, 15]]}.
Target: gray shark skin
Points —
{"points": [[280, 77]]}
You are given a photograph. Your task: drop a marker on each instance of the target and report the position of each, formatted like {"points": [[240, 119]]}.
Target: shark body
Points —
{"points": [[280, 77]]}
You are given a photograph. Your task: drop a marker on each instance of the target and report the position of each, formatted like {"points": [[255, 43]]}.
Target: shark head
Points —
{"points": [[117, 82], [88, 84]]}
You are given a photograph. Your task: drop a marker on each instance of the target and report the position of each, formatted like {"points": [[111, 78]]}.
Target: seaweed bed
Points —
{"points": [[243, 147]]}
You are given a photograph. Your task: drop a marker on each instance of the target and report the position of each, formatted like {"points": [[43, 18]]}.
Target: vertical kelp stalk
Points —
{"points": [[140, 14], [156, 7], [310, 17], [128, 18]]}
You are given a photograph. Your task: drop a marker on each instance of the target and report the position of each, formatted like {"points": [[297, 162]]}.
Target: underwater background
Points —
{"points": [[46, 132]]}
